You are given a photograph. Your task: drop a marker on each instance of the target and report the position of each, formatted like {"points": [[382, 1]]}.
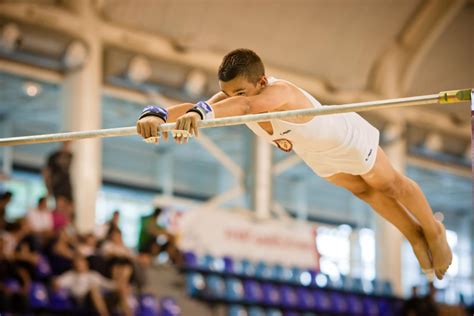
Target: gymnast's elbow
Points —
{"points": [[246, 106]]}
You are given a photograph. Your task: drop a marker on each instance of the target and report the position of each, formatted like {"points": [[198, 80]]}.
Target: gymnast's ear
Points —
{"points": [[263, 81]]}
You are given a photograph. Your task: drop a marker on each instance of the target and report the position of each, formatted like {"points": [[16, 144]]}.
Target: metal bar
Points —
{"points": [[456, 96]]}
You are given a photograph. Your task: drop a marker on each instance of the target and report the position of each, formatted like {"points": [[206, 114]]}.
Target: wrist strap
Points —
{"points": [[153, 110], [204, 110], [196, 111]]}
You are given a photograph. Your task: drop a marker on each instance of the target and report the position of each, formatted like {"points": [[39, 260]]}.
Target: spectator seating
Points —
{"points": [[275, 290]]}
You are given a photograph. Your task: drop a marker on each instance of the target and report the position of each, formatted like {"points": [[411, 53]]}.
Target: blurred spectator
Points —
{"points": [[421, 306], [57, 172], [40, 218], [62, 213], [428, 303], [103, 230], [5, 198], [155, 239], [87, 245], [27, 253], [119, 258], [61, 252], [412, 306], [10, 300], [86, 288]]}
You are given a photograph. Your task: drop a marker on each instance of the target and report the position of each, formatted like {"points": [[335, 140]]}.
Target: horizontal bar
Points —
{"points": [[456, 96]]}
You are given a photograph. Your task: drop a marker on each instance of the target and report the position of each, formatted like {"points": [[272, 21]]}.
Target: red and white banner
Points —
{"points": [[237, 234]]}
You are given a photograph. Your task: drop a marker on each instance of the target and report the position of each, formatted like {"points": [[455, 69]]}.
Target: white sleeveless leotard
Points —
{"points": [[328, 144]]}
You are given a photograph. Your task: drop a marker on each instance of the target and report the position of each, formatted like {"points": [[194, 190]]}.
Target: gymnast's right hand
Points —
{"points": [[150, 121]]}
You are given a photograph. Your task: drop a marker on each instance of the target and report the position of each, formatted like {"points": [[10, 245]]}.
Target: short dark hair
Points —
{"points": [[157, 211], [41, 200], [6, 195], [241, 62]]}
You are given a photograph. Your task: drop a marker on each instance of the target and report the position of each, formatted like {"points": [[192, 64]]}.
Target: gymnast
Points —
{"points": [[342, 148]]}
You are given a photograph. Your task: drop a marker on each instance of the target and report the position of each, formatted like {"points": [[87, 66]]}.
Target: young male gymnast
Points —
{"points": [[342, 148]]}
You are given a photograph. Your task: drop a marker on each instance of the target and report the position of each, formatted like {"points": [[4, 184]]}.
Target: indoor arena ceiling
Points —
{"points": [[339, 42]]}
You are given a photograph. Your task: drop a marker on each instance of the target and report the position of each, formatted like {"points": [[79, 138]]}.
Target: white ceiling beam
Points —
{"points": [[162, 48], [432, 18], [421, 34], [424, 163], [32, 72], [395, 69], [51, 17]]}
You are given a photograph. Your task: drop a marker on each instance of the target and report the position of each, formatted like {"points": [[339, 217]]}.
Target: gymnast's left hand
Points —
{"points": [[187, 122]]}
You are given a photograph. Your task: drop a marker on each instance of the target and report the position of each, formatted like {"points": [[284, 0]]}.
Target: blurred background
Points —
{"points": [[83, 64]]}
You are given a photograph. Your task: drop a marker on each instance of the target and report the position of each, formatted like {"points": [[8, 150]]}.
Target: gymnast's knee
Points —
{"points": [[399, 187], [366, 194]]}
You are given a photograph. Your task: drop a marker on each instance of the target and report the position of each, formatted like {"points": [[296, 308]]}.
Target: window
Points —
{"points": [[132, 205], [367, 253], [334, 247]]}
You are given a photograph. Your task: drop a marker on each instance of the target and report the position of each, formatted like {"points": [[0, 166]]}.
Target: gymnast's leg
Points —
{"points": [[391, 210], [385, 179]]}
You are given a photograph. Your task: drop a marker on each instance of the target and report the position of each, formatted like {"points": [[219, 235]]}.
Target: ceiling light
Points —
{"points": [[31, 89], [195, 83], [139, 69], [9, 37], [75, 55], [434, 142]]}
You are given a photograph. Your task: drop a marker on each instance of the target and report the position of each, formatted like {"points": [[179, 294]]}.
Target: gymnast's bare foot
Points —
{"points": [[440, 251], [422, 252]]}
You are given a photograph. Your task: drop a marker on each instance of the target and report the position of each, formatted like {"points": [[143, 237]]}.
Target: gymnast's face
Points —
{"points": [[241, 86]]}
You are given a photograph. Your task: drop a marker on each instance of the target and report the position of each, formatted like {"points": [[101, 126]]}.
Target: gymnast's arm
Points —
{"points": [[148, 126], [272, 98]]}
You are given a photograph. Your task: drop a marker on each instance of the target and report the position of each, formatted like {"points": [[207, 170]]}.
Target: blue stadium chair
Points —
{"points": [[190, 259], [357, 285], [295, 275], [339, 303], [321, 280], [367, 286], [43, 268], [281, 273], [385, 307], [252, 291], [274, 312], [215, 287], [387, 288], [237, 310], [206, 262], [228, 264], [59, 300], [397, 305], [371, 306], [271, 294], [247, 268], [255, 311], [355, 304], [323, 301], [148, 305], [38, 296], [306, 298], [234, 289], [12, 285], [263, 270], [306, 277], [169, 307], [195, 284], [381, 287], [340, 282], [277, 272], [288, 296]]}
